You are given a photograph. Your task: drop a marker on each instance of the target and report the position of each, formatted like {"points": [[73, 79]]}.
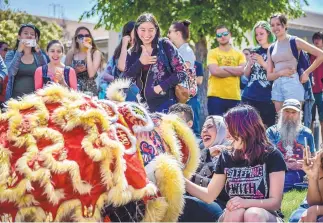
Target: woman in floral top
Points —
{"points": [[155, 65]]}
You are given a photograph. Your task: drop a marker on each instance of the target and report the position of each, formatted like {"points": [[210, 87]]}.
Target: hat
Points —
{"points": [[292, 104]]}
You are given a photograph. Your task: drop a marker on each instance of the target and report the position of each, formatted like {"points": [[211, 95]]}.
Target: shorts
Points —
{"points": [[287, 88]]}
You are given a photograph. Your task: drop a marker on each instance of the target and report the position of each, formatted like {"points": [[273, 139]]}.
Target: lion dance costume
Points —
{"points": [[67, 157]]}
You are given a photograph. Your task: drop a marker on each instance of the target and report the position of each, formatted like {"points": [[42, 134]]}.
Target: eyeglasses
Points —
{"points": [[219, 35], [81, 36]]}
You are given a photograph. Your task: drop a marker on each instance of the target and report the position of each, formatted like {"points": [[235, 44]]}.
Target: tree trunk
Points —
{"points": [[201, 54]]}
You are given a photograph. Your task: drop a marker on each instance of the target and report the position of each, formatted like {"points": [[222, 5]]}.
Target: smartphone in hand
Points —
{"points": [[30, 42]]}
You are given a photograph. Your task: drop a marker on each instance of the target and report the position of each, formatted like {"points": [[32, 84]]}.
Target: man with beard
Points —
{"points": [[226, 65], [288, 135]]}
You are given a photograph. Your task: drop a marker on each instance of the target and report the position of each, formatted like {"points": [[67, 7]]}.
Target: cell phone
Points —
{"points": [[30, 42], [306, 151]]}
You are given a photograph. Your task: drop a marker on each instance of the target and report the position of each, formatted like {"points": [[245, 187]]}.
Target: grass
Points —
{"points": [[291, 202]]}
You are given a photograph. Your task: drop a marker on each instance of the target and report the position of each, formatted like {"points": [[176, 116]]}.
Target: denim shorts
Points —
{"points": [[288, 88]]}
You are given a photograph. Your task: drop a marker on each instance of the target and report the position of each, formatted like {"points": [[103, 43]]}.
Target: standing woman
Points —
{"points": [[155, 65], [257, 92], [179, 34], [22, 63], [252, 172], [282, 65], [86, 59], [116, 64]]}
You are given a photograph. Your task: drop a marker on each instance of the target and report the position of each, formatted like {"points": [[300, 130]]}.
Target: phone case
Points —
{"points": [[30, 42]]}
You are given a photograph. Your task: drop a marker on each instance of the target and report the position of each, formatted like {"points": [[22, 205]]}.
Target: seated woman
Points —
{"points": [[252, 172], [214, 139], [311, 210]]}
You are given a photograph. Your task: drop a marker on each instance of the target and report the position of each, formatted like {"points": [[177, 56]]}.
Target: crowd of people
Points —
{"points": [[256, 143]]}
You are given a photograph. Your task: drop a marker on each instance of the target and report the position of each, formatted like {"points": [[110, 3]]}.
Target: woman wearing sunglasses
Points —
{"points": [[22, 63], [3, 49], [86, 59]]}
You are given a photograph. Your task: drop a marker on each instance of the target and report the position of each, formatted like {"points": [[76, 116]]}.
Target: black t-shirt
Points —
{"points": [[246, 181]]}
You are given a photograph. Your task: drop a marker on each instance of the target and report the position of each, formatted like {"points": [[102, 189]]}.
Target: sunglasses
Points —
{"points": [[81, 36], [219, 35], [5, 49]]}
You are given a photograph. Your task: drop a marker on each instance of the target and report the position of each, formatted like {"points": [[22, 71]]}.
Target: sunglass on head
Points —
{"points": [[219, 35], [81, 36], [28, 25]]}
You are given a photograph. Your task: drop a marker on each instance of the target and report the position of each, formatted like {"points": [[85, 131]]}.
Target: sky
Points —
{"points": [[73, 9]]}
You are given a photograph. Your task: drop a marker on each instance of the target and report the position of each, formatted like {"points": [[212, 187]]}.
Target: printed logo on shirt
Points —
{"points": [[291, 150], [259, 74], [247, 182], [226, 60]]}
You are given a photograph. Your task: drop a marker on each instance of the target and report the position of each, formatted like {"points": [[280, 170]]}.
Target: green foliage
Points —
{"points": [[238, 15], [10, 22]]}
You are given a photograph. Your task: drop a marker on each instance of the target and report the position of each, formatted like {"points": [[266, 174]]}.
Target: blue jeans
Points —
{"points": [[292, 177], [297, 214], [195, 105], [219, 106], [196, 210]]}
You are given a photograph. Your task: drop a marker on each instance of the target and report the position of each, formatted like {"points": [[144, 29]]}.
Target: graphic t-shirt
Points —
{"points": [[258, 87], [228, 87], [292, 149], [249, 181]]}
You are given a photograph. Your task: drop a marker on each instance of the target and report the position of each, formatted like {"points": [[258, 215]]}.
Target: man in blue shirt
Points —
{"points": [[289, 136]]}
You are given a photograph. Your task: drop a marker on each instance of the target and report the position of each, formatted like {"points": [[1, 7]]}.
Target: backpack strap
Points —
{"points": [[163, 55], [271, 48], [45, 75], [67, 75], [293, 46]]}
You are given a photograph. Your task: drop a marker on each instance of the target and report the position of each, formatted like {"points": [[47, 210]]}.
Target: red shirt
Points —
{"points": [[318, 75]]}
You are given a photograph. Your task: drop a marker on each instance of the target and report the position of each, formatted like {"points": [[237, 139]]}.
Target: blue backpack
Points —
{"points": [[47, 79]]}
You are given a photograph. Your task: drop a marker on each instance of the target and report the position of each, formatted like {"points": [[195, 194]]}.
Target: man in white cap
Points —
{"points": [[289, 135]]}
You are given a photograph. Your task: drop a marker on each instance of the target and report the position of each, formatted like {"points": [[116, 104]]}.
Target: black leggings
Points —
{"points": [[266, 110]]}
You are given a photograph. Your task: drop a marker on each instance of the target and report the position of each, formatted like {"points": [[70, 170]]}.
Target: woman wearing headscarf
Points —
{"points": [[214, 140]]}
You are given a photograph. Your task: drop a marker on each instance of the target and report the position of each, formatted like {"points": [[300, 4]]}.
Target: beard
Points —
{"points": [[289, 130]]}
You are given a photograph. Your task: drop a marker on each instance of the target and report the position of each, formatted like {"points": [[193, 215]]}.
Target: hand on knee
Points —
{"points": [[254, 215]]}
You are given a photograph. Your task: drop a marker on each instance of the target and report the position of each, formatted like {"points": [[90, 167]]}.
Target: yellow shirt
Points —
{"points": [[227, 87]]}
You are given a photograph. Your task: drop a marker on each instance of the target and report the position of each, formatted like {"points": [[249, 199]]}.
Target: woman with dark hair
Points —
{"points": [[22, 63], [116, 64], [86, 59], [251, 172], [179, 34], [282, 64], [257, 92], [55, 71], [155, 65]]}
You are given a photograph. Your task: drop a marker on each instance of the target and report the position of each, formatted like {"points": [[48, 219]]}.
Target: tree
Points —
{"points": [[10, 22], [238, 15]]}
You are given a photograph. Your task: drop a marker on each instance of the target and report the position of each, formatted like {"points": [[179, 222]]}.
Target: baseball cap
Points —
{"points": [[292, 104]]}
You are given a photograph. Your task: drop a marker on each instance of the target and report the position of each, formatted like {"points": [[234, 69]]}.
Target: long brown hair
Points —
{"points": [[76, 46], [245, 123]]}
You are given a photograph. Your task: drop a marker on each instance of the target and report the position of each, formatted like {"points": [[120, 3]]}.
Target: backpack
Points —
{"points": [[47, 79], [187, 89]]}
